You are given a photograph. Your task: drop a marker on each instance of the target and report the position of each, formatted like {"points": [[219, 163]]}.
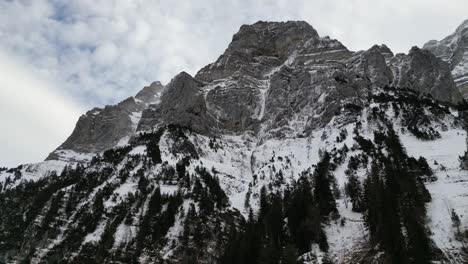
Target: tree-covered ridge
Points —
{"points": [[65, 209]]}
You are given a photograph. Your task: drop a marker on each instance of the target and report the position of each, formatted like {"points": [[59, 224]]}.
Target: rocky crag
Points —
{"points": [[454, 50]]}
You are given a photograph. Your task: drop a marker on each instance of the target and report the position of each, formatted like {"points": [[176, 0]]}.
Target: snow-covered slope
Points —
{"points": [[243, 164]]}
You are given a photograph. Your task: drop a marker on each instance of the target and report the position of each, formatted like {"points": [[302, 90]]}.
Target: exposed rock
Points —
{"points": [[454, 50], [235, 104], [268, 75], [182, 103], [372, 64], [99, 129], [258, 47], [423, 72], [150, 94], [274, 79], [103, 128]]}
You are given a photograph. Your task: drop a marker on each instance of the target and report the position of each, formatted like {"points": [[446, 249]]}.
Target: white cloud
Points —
{"points": [[106, 54], [34, 120], [139, 41], [102, 51]]}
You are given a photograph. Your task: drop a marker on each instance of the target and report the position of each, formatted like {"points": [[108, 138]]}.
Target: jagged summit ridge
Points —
{"points": [[274, 79], [258, 47]]}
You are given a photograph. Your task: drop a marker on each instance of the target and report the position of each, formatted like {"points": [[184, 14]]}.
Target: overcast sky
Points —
{"points": [[59, 58]]}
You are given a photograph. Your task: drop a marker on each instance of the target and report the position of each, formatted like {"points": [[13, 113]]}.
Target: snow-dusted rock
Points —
{"points": [[454, 50]]}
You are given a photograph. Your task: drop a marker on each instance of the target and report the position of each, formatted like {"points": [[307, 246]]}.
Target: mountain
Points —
{"points": [[454, 50], [289, 148], [101, 129]]}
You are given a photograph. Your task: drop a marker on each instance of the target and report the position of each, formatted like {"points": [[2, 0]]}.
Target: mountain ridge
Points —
{"points": [[258, 55], [289, 148]]}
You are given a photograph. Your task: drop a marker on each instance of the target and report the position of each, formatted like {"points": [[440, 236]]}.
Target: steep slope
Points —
{"points": [[454, 50], [289, 147], [101, 129]]}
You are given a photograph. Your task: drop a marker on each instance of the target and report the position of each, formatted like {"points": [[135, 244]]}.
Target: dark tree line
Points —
{"points": [[394, 200]]}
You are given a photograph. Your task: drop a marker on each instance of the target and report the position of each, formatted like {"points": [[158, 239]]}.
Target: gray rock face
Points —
{"points": [[182, 103], [454, 50], [274, 79], [270, 74], [150, 94], [420, 70], [235, 103], [255, 48], [372, 63], [100, 129]]}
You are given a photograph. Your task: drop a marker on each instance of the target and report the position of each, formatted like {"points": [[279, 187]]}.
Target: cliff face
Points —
{"points": [[453, 49], [100, 129]]}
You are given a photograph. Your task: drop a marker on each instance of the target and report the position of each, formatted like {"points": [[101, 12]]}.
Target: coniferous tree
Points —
{"points": [[153, 152], [394, 200], [323, 194], [354, 190]]}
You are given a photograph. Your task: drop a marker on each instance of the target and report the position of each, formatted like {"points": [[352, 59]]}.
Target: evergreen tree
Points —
{"points": [[354, 190], [395, 200], [153, 152], [304, 219], [323, 194]]}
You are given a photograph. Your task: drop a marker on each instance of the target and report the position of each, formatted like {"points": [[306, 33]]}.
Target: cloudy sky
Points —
{"points": [[59, 58]]}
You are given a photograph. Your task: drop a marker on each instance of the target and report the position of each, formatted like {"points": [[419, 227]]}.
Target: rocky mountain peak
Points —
{"points": [[273, 77], [453, 49], [103, 128], [382, 49], [255, 49], [422, 71], [416, 51], [277, 39], [181, 79], [150, 94], [372, 63], [462, 29]]}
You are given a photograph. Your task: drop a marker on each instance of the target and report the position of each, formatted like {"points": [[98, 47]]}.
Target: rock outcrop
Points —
{"points": [[423, 72], [103, 128], [182, 103], [454, 50]]}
